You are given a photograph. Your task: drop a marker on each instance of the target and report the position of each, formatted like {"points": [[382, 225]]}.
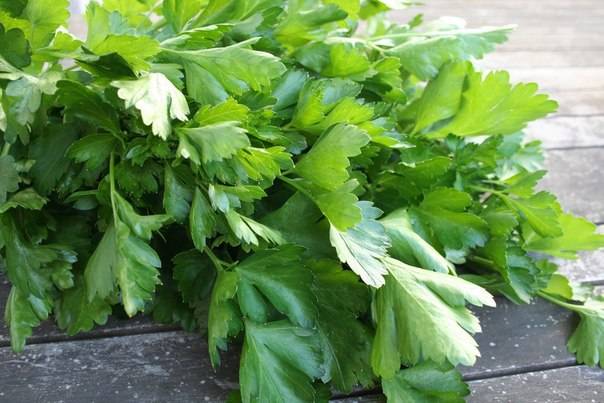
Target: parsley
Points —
{"points": [[263, 171]]}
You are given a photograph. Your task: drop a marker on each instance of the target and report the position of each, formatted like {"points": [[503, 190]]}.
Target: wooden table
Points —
{"points": [[560, 44]]}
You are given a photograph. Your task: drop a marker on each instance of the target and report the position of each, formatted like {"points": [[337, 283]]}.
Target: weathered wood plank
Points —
{"points": [[48, 331], [577, 384], [568, 78], [521, 337], [568, 131], [514, 4], [579, 103], [164, 367], [575, 176], [542, 59], [588, 268], [173, 366]]}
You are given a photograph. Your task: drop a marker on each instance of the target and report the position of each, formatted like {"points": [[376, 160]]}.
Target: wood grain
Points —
{"points": [[577, 384], [174, 366], [575, 176], [560, 132]]}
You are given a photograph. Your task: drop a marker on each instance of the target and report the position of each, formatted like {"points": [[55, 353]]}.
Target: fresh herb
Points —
{"points": [[268, 172]]}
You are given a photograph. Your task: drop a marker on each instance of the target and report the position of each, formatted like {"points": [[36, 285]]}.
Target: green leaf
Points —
{"points": [[202, 220], [364, 246], [178, 192], [194, 275], [288, 89], [522, 276], [133, 11], [135, 50], [409, 247], [493, 106], [298, 221], [327, 163], [424, 53], [26, 260], [178, 12], [224, 318], [345, 340], [319, 98], [157, 99], [49, 153], [578, 234], [25, 96], [421, 315], [142, 226], [99, 273], [443, 213], [22, 314], [227, 111], [9, 177], [426, 382], [442, 96], [248, 230], [45, 16], [340, 206], [336, 58], [84, 104], [281, 277], [212, 143], [214, 74], [76, 312], [301, 26], [92, 150], [279, 363], [136, 267], [587, 340], [28, 199], [14, 47], [169, 308], [541, 211]]}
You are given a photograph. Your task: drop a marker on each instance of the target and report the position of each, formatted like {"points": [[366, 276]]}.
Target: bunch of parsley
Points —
{"points": [[330, 188]]}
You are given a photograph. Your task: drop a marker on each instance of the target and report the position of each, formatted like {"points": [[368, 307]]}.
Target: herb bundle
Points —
{"points": [[327, 187]]}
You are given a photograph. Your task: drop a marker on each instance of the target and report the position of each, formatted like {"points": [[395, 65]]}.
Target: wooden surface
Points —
{"points": [[559, 43]]}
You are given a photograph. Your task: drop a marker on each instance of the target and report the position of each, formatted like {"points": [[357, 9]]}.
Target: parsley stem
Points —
{"points": [[5, 149], [218, 264], [483, 262], [112, 187], [483, 189], [557, 301], [293, 184]]}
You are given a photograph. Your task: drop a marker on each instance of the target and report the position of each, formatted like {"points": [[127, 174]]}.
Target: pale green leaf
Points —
{"points": [[426, 383], [157, 99], [214, 142], [491, 105], [327, 163], [364, 246], [421, 315]]}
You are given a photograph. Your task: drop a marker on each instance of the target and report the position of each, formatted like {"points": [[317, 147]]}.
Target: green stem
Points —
{"points": [[557, 301], [218, 264], [483, 262], [483, 189], [112, 188], [5, 149], [293, 184]]}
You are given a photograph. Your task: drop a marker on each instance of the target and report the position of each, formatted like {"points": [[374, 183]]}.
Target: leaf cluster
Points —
{"points": [[265, 172]]}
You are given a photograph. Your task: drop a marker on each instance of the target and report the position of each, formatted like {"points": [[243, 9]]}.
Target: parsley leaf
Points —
{"points": [[426, 382], [157, 99], [421, 315]]}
